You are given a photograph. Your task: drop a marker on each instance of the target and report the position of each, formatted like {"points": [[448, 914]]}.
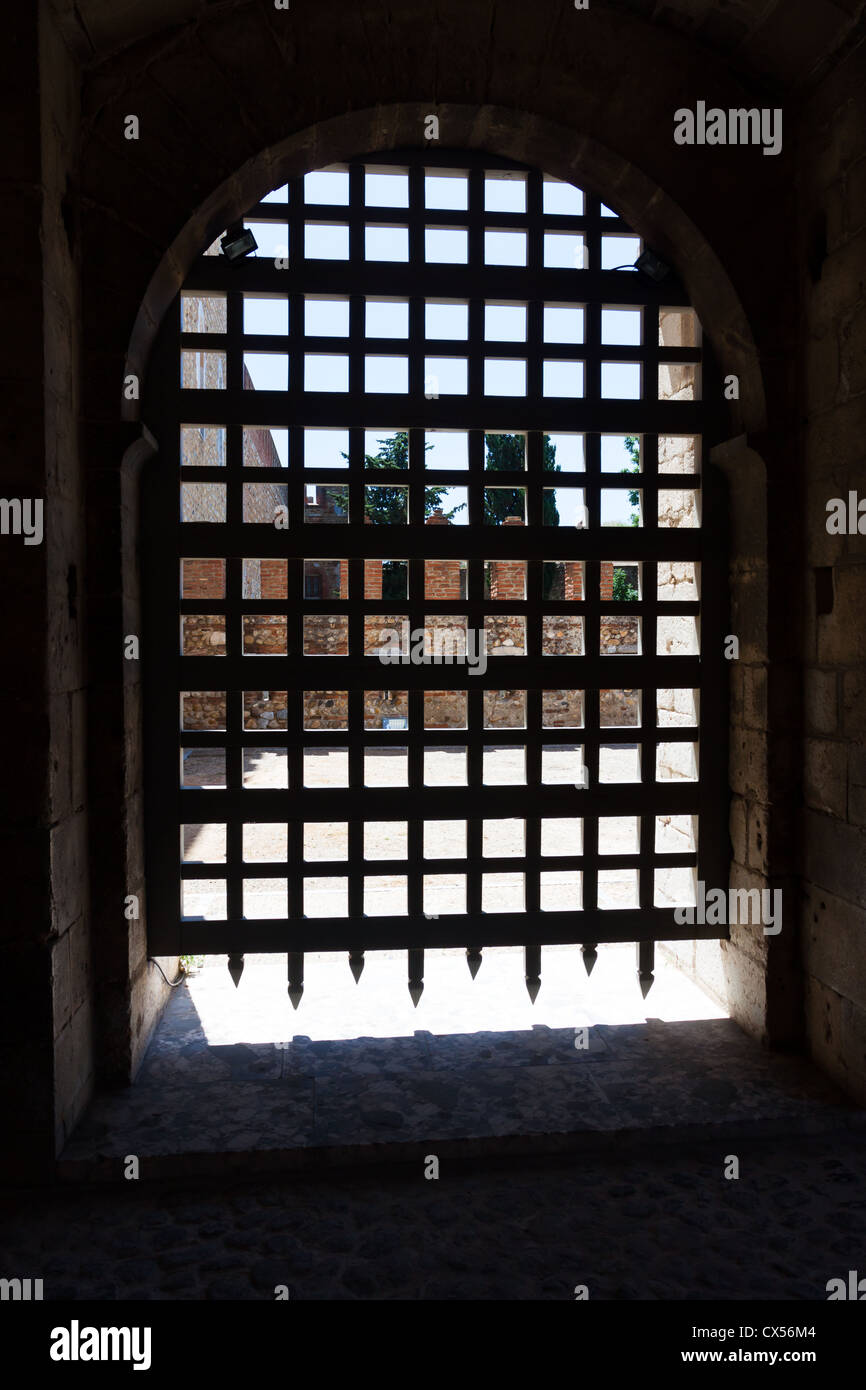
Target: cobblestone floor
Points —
{"points": [[638, 1208], [357, 1065], [660, 1225]]}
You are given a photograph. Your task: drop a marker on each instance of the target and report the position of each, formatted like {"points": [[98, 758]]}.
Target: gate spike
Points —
{"points": [[236, 967], [473, 959], [416, 973], [356, 964], [532, 970], [296, 977], [645, 966], [590, 955]]}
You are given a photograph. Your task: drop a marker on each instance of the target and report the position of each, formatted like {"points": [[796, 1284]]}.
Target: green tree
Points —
{"points": [[622, 588], [386, 505], [507, 453], [632, 448]]}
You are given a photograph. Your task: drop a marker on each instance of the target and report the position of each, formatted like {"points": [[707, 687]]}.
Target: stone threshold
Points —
{"points": [[202, 1108], [620, 1145]]}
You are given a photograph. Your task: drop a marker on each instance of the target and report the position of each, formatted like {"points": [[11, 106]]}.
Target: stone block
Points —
{"points": [[821, 701], [78, 748], [842, 633], [60, 770], [758, 832], [852, 352], [747, 483], [823, 371], [834, 943], [825, 775], [824, 1028], [835, 855], [745, 989], [829, 301], [854, 702], [737, 824], [61, 335], [855, 189], [79, 964], [755, 697], [61, 982], [833, 448], [748, 764], [736, 687], [836, 204], [749, 606], [73, 1072], [150, 994], [69, 870], [857, 784], [854, 1048]]}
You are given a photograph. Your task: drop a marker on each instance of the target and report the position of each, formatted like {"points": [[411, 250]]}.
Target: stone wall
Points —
{"points": [[618, 636], [49, 1035], [113, 226], [619, 707], [679, 508], [832, 243], [265, 709], [203, 635], [326, 709], [384, 704], [203, 709]]}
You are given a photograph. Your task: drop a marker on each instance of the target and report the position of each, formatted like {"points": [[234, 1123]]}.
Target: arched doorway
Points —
{"points": [[439, 412]]}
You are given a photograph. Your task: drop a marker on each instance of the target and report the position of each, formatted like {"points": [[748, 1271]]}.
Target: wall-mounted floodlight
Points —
{"points": [[237, 243], [652, 266]]}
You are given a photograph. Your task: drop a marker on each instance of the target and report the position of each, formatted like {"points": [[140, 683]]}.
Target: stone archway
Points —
{"points": [[500, 131], [756, 972]]}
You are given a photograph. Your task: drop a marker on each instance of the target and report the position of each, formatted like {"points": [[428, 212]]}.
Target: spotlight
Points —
{"points": [[652, 266], [237, 243]]}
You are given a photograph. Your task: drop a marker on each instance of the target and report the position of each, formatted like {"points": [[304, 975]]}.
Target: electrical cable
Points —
{"points": [[173, 984]]}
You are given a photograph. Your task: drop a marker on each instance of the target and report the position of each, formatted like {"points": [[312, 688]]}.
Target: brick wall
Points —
{"points": [[204, 579], [372, 579], [205, 635]]}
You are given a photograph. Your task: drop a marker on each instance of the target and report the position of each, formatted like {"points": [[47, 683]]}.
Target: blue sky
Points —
{"points": [[326, 236]]}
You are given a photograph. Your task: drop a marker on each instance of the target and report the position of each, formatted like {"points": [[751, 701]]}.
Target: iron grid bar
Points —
{"points": [[167, 673]]}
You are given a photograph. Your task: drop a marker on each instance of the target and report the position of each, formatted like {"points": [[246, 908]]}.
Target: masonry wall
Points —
{"points": [[231, 104], [47, 1045], [28, 1080], [716, 198], [833, 590], [679, 508]]}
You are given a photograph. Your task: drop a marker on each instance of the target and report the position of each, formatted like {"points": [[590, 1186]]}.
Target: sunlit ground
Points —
{"points": [[334, 1007]]}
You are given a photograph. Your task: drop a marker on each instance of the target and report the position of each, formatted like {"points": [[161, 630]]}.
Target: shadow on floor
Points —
{"points": [[197, 1107]]}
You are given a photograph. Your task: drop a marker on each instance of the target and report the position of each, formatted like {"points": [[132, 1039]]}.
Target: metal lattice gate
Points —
{"points": [[423, 336]]}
